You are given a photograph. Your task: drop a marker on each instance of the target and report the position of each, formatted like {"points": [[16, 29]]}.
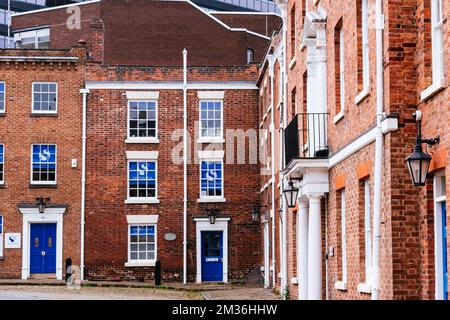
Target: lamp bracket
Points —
{"points": [[432, 141]]}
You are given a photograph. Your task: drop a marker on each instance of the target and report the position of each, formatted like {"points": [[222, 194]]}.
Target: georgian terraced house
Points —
{"points": [[132, 188], [329, 212], [338, 90]]}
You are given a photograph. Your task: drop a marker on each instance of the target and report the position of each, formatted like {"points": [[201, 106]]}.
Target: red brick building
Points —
{"points": [[356, 73], [136, 209], [40, 157]]}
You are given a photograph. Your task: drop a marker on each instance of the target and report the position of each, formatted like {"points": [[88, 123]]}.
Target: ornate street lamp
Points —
{"points": [[255, 214], [419, 161], [291, 193], [42, 203]]}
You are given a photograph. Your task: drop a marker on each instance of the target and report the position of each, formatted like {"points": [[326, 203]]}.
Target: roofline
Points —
{"points": [[54, 8], [221, 22], [247, 13], [37, 58]]}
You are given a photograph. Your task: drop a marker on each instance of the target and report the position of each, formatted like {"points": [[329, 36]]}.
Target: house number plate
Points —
{"points": [[212, 259]]}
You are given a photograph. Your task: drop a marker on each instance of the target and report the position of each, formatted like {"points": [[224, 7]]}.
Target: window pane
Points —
{"points": [[44, 96], [44, 163]]}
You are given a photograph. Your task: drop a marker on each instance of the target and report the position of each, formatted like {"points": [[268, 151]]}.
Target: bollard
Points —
{"points": [[68, 264], [158, 273]]}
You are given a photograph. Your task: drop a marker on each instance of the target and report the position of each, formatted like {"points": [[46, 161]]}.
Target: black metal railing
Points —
{"points": [[306, 137]]}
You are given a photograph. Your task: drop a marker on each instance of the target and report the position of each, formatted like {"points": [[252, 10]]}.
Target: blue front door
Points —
{"points": [[212, 256], [43, 248], [444, 248]]}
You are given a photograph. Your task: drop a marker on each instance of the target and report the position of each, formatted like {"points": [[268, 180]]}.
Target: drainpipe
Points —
{"points": [[9, 24], [84, 92], [185, 153], [378, 153]]}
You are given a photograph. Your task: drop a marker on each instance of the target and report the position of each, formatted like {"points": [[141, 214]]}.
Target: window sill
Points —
{"points": [[364, 288], [340, 285], [211, 199], [150, 263], [141, 201], [294, 280], [339, 116], [432, 90], [44, 114], [2, 258], [142, 140], [43, 185], [362, 95], [2, 114], [211, 140]]}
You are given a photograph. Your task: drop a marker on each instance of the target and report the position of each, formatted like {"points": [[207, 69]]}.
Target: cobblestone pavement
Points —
{"points": [[241, 293], [92, 293]]}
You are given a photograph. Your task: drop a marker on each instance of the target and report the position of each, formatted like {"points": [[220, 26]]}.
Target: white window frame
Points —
{"points": [[215, 156], [1, 234], [2, 182], [341, 113], [36, 33], [438, 187], [137, 262], [32, 99], [142, 96], [365, 51], [136, 156], [211, 96], [366, 286], [4, 97], [342, 285], [437, 50], [46, 183]]}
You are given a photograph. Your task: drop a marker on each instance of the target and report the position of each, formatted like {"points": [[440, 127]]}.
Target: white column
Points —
{"points": [[314, 249], [311, 93], [302, 249]]}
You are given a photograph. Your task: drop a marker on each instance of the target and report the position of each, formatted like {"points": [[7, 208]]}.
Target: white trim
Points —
{"points": [[32, 99], [341, 71], [432, 90], [202, 224], [292, 63], [170, 85], [51, 215], [211, 199], [140, 200], [2, 182], [200, 134], [143, 139], [49, 183], [142, 155], [141, 263], [364, 288], [142, 219], [211, 154], [2, 227], [211, 95], [438, 261], [339, 116], [142, 95], [362, 95], [343, 237], [4, 97], [340, 285], [137, 200], [365, 42], [210, 140], [367, 233], [40, 58], [54, 8], [245, 13]]}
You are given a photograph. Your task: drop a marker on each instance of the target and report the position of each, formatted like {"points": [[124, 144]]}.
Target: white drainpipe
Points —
{"points": [[185, 153], [378, 153], [84, 92]]}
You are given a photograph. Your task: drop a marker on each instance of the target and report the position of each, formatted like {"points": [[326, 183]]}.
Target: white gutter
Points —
{"points": [[378, 153], [185, 153], [84, 92]]}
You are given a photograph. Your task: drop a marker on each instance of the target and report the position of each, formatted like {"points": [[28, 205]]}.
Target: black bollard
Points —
{"points": [[68, 264], [158, 273]]}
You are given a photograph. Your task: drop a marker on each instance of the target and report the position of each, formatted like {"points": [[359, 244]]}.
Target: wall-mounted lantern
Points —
{"points": [[42, 203], [419, 161]]}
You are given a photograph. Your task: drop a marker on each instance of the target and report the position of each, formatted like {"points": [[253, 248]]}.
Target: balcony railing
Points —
{"points": [[306, 137]]}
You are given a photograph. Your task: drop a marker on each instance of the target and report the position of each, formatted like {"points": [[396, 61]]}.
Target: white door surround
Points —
{"points": [[202, 224], [51, 215]]}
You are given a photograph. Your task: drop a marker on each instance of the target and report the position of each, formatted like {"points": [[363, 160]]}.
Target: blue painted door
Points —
{"points": [[212, 256], [444, 248], [43, 248]]}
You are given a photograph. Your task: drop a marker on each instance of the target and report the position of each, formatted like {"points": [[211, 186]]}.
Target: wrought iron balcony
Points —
{"points": [[306, 137]]}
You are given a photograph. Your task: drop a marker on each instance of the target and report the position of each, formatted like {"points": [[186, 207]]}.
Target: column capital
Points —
{"points": [[315, 197], [303, 203]]}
